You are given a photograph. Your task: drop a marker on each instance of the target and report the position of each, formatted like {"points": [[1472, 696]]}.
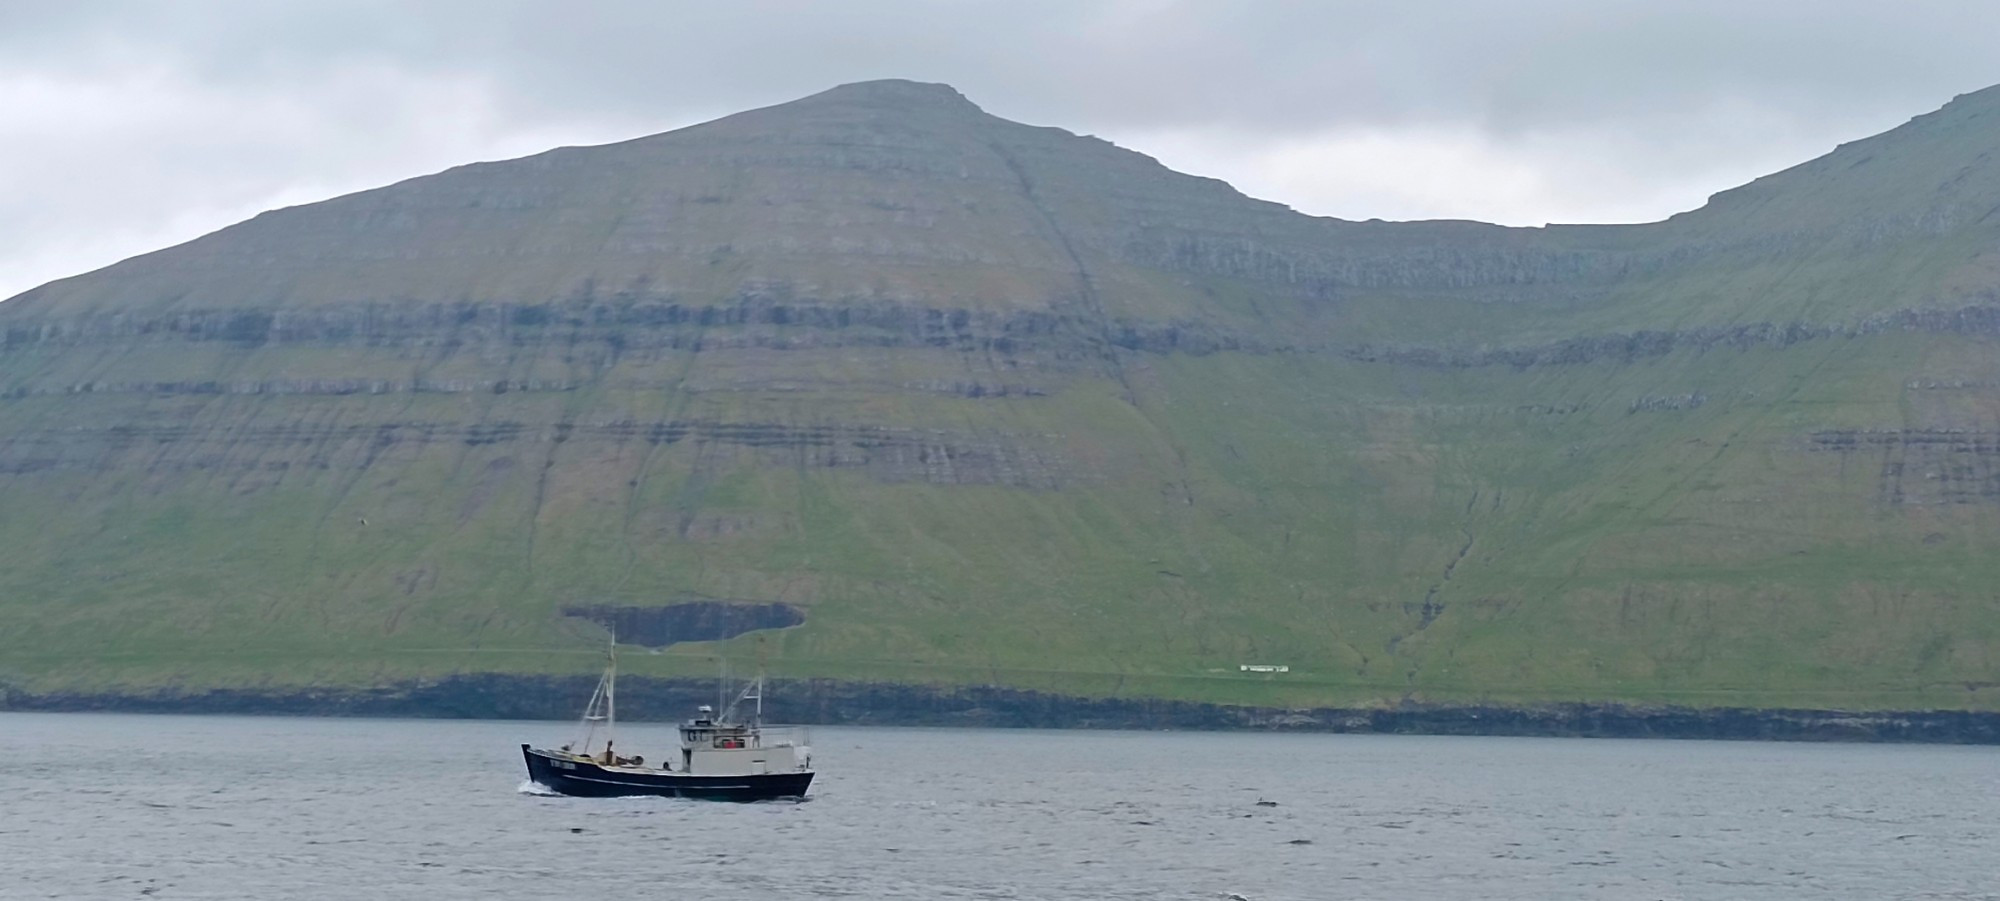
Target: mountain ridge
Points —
{"points": [[989, 403], [1021, 275]]}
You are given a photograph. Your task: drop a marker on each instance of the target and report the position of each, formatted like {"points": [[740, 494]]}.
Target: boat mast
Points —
{"points": [[763, 659], [722, 686], [611, 694], [602, 706], [752, 691]]}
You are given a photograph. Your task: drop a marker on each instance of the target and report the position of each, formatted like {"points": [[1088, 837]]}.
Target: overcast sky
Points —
{"points": [[128, 126]]}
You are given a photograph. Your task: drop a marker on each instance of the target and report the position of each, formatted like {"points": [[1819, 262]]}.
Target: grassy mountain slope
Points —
{"points": [[998, 404]]}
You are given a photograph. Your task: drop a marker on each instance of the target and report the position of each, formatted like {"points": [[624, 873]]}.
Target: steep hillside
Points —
{"points": [[922, 395]]}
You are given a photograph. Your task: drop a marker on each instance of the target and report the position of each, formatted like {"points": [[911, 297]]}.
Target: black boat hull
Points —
{"points": [[588, 780]]}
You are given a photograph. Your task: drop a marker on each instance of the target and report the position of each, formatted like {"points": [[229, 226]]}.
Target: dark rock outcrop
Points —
{"points": [[708, 620]]}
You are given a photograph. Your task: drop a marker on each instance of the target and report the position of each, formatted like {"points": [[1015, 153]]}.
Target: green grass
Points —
{"points": [[1248, 509]]}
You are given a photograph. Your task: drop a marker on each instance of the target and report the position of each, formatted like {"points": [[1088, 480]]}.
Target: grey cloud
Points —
{"points": [[1271, 65]]}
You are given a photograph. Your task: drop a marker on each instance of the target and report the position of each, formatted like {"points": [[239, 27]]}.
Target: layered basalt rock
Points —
{"points": [[1925, 466], [886, 454]]}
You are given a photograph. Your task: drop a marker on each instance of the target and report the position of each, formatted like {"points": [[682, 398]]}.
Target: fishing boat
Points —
{"points": [[721, 757]]}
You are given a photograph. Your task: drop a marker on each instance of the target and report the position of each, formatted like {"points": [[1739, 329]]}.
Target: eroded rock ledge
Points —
{"points": [[827, 702], [1045, 338], [1981, 321], [748, 323], [888, 454]]}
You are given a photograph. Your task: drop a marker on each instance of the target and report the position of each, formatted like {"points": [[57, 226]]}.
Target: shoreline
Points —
{"points": [[831, 702]]}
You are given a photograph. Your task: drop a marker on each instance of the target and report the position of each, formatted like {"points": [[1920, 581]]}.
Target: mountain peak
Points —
{"points": [[890, 102], [896, 92]]}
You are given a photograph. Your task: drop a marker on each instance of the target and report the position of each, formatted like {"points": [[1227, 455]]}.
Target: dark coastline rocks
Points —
{"points": [[828, 702]]}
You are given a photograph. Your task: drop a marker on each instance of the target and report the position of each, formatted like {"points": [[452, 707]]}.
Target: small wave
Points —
{"points": [[531, 787]]}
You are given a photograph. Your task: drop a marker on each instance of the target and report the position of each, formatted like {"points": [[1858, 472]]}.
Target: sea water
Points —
{"points": [[109, 806]]}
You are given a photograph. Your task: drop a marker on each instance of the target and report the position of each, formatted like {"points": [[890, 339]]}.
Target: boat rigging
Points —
{"points": [[721, 757]]}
